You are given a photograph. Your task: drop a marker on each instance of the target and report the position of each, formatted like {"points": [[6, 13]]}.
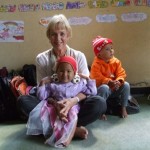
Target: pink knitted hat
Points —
{"points": [[99, 42], [68, 59]]}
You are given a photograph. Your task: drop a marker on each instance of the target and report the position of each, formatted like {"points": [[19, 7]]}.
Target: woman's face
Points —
{"points": [[65, 72], [59, 38]]}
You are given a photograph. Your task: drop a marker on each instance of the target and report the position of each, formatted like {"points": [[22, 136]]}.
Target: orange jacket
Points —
{"points": [[103, 72]]}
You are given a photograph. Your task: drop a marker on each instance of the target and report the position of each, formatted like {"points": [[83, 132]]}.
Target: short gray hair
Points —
{"points": [[58, 21]]}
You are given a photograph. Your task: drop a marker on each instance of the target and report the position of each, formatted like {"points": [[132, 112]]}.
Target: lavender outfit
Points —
{"points": [[43, 118]]}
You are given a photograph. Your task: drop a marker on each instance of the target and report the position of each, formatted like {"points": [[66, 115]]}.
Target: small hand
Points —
{"points": [[114, 84], [58, 108], [83, 76], [65, 105], [45, 80], [117, 84]]}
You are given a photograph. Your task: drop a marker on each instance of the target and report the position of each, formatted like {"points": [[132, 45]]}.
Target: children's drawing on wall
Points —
{"points": [[106, 18], [98, 3], [72, 21], [142, 2], [118, 3], [8, 8], [52, 6], [11, 31], [79, 20], [44, 21], [133, 17], [75, 5], [28, 7]]}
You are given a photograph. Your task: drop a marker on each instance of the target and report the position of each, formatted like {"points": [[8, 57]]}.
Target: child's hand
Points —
{"points": [[111, 84], [62, 116], [114, 85], [45, 80], [83, 76], [58, 107], [51, 101]]}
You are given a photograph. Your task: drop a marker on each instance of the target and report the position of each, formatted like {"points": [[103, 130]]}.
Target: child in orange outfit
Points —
{"points": [[109, 74]]}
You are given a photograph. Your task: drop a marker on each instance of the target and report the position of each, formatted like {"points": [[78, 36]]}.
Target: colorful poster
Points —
{"points": [[11, 31]]}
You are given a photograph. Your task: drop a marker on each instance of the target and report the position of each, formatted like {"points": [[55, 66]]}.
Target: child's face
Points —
{"points": [[106, 53], [65, 72]]}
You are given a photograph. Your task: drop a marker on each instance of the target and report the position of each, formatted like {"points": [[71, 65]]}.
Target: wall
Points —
{"points": [[131, 39]]}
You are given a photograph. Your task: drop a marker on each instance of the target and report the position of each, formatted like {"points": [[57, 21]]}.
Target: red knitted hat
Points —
{"points": [[67, 59], [99, 42]]}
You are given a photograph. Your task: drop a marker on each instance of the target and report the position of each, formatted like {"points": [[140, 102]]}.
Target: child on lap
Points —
{"points": [[48, 117]]}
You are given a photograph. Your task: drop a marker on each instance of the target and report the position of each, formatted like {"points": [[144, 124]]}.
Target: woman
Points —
{"points": [[58, 32]]}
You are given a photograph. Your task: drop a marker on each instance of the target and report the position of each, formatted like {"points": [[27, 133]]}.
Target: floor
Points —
{"points": [[116, 133]]}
